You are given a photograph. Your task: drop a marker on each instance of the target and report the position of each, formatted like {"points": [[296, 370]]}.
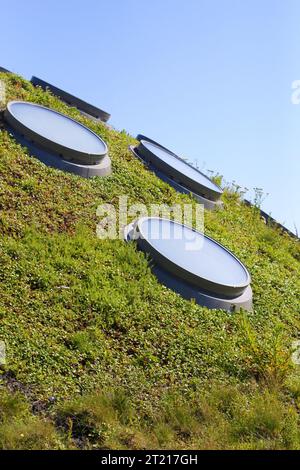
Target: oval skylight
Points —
{"points": [[193, 256], [55, 131], [180, 165], [192, 264], [178, 170]]}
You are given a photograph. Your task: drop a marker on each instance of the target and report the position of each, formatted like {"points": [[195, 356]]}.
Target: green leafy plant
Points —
{"points": [[84, 318]]}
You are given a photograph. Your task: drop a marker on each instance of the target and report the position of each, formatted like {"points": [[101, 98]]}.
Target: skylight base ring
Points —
{"points": [[188, 292], [55, 161]]}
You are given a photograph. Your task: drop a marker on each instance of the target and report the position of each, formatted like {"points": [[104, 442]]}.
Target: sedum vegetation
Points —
{"points": [[101, 355]]}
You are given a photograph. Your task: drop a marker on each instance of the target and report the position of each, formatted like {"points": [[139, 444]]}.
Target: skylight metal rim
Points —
{"points": [[141, 137], [52, 160], [208, 203], [4, 70], [226, 290], [49, 145], [80, 104], [188, 182]]}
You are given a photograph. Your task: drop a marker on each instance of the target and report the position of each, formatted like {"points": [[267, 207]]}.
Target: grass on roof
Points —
{"points": [[99, 353]]}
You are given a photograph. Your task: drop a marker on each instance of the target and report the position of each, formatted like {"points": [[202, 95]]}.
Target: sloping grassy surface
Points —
{"points": [[99, 354]]}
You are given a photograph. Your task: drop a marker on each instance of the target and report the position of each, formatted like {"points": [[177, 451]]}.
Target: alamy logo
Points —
{"points": [[295, 97], [2, 93], [113, 220], [2, 353]]}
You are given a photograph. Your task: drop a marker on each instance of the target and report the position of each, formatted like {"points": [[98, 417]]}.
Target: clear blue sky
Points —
{"points": [[211, 79]]}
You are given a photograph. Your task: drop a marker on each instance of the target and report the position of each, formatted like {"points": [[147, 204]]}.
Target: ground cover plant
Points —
{"points": [[99, 353]]}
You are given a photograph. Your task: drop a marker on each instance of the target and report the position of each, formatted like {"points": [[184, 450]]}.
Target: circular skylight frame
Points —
{"points": [[181, 272], [208, 204], [86, 108], [177, 281], [66, 153], [172, 173]]}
